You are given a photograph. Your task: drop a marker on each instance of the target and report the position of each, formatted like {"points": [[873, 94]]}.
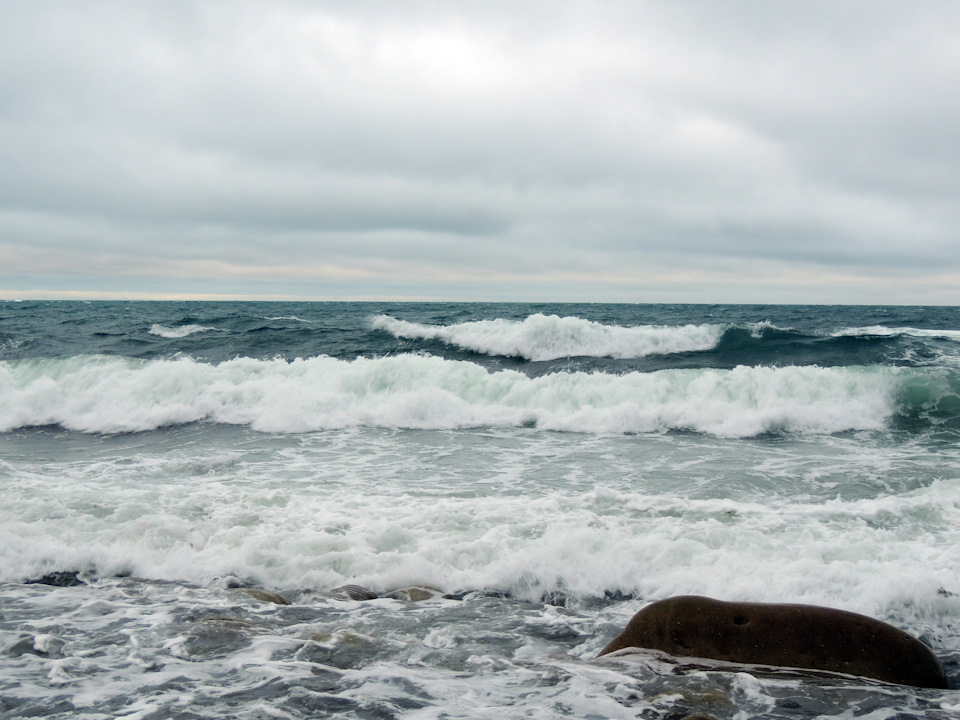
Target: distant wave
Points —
{"points": [[110, 395], [180, 331], [881, 331], [549, 337]]}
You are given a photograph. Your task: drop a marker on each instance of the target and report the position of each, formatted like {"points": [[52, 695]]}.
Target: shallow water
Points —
{"points": [[135, 648]]}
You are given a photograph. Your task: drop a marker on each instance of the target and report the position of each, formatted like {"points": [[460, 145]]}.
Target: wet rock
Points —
{"points": [[681, 712], [351, 592], [264, 595], [226, 621], [797, 636], [69, 578], [557, 598], [341, 649], [414, 593], [215, 637], [232, 582]]}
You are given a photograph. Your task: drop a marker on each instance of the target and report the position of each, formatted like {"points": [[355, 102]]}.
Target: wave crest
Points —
{"points": [[550, 337], [882, 331], [181, 331], [110, 395]]}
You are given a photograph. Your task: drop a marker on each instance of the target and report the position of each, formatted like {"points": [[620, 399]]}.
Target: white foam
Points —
{"points": [[111, 395], [870, 555], [181, 331], [757, 329], [548, 337], [881, 331]]}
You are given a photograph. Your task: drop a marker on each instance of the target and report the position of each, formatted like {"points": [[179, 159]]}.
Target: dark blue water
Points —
{"points": [[798, 335]]}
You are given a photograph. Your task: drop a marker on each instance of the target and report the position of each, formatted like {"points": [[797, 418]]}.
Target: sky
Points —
{"points": [[623, 151]]}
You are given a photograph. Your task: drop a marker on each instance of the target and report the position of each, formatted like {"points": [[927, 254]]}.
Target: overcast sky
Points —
{"points": [[595, 151]]}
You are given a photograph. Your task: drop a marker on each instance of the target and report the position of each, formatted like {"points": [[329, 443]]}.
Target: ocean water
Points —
{"points": [[547, 470]]}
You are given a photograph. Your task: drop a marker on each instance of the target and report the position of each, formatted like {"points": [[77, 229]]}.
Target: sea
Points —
{"points": [[185, 486]]}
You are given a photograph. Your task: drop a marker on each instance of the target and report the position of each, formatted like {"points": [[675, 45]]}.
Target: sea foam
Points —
{"points": [[865, 555], [549, 337], [110, 395]]}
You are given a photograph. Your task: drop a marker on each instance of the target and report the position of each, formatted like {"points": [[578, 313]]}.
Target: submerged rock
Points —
{"points": [[264, 595], [64, 578], [227, 621], [215, 636], [411, 593], [797, 636], [342, 649], [414, 593]]}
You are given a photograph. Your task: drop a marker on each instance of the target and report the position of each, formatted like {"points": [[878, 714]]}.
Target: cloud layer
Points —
{"points": [[692, 151]]}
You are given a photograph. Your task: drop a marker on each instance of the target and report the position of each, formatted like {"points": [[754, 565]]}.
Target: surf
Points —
{"points": [[101, 394]]}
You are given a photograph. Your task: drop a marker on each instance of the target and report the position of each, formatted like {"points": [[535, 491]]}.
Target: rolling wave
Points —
{"points": [[101, 394], [541, 338], [550, 337]]}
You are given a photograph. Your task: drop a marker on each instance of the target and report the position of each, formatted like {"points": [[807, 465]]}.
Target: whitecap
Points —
{"points": [[179, 331], [882, 331], [757, 329], [549, 337]]}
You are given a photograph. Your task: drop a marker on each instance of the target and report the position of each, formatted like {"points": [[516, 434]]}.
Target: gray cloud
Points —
{"points": [[798, 151]]}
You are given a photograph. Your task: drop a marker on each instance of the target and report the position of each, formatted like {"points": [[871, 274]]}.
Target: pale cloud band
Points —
{"points": [[691, 151]]}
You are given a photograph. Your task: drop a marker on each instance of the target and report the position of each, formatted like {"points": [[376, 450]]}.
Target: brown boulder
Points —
{"points": [[351, 592], [414, 593], [798, 636], [264, 596]]}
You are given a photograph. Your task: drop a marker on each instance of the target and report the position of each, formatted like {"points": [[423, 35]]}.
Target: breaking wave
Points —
{"points": [[181, 331], [549, 337], [881, 331], [111, 395]]}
